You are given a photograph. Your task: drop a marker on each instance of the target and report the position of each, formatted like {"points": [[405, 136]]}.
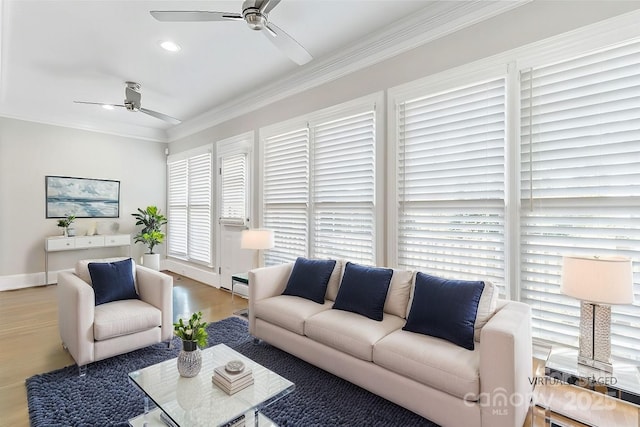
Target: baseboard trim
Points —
{"points": [[191, 271], [31, 280], [28, 280]]}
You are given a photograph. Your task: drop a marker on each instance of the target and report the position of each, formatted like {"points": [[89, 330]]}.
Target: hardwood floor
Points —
{"points": [[31, 343]]}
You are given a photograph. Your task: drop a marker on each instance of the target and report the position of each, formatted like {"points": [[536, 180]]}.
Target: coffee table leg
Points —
{"points": [[145, 423]]}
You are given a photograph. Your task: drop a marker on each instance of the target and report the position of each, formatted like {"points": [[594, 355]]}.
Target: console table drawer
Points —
{"points": [[89, 242], [60, 243], [117, 240]]}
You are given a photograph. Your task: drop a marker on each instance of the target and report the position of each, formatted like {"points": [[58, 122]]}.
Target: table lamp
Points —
{"points": [[257, 239], [597, 281]]}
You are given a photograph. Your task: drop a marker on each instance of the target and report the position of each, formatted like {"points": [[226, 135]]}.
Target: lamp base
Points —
{"points": [[595, 336]]}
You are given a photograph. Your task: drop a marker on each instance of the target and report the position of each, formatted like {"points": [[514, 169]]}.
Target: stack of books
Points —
{"points": [[232, 382]]}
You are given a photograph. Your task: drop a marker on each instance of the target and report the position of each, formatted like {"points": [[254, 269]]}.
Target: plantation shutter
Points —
{"points": [[233, 171], [580, 171], [451, 174], [177, 209], [343, 182], [286, 194], [200, 208]]}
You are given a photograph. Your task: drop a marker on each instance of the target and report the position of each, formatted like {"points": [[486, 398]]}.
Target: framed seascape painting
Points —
{"points": [[82, 197]]}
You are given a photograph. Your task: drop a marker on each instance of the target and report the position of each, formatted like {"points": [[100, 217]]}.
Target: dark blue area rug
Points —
{"points": [[104, 397]]}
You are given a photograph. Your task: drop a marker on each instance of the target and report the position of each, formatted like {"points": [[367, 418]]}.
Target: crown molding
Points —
{"points": [[122, 130], [434, 21]]}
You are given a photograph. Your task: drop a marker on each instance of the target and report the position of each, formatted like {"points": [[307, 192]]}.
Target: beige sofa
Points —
{"points": [[447, 384], [91, 333]]}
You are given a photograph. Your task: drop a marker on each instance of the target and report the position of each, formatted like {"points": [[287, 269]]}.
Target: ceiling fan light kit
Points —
{"points": [[255, 14]]}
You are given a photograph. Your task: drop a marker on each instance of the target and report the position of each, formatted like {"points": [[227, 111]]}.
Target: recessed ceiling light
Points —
{"points": [[170, 46], [107, 106]]}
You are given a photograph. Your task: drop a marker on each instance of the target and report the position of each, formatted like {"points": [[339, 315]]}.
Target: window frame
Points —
{"points": [[374, 101]]}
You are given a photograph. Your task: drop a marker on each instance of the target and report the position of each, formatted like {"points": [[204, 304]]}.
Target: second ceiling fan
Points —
{"points": [[255, 14]]}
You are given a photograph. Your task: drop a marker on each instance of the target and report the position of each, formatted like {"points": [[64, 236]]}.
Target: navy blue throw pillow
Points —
{"points": [[112, 281], [309, 279], [364, 290], [445, 309]]}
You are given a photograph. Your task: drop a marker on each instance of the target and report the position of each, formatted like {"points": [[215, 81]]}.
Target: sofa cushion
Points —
{"points": [[350, 332], [82, 267], [112, 281], [445, 309], [363, 290], [431, 361], [124, 317], [399, 292], [335, 279], [288, 312], [486, 307], [309, 279]]}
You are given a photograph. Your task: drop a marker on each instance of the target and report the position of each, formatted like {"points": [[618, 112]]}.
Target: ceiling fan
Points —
{"points": [[132, 97], [255, 13]]}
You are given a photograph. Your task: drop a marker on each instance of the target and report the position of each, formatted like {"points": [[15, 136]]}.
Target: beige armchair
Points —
{"points": [[91, 333]]}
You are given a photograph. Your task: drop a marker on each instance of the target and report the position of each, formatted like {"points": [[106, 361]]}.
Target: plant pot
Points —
{"points": [[189, 359], [151, 261], [71, 232]]}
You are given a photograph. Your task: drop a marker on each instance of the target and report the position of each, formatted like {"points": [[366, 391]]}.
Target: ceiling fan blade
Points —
{"points": [[268, 5], [98, 103], [194, 16], [160, 116], [287, 44]]}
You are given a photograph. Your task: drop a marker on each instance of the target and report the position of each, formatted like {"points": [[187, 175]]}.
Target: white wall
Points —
{"points": [[30, 151]]}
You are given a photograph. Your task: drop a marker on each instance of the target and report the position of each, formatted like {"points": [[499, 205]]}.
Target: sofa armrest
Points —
{"points": [[264, 283], [76, 308], [506, 366], [156, 288]]}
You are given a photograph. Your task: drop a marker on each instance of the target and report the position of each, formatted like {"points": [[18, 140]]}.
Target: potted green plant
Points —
{"points": [[151, 233], [193, 334], [66, 223]]}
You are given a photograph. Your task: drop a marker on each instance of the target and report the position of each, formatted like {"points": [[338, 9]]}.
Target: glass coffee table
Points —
{"points": [[197, 401]]}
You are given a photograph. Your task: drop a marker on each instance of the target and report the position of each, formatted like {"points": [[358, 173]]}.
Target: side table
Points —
{"points": [[589, 396], [238, 278]]}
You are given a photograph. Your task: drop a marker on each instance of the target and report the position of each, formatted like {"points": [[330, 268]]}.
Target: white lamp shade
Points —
{"points": [[257, 239], [603, 280]]}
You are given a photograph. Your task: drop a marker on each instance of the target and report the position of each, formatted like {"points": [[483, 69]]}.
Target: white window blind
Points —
{"points": [[189, 216], [319, 186], [343, 186], [451, 175], [580, 184], [233, 171], [177, 214], [200, 208], [286, 194]]}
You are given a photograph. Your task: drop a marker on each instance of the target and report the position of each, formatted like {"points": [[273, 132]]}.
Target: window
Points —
{"points": [[450, 154], [343, 188], [233, 173], [319, 185], [580, 189], [189, 212], [286, 194]]}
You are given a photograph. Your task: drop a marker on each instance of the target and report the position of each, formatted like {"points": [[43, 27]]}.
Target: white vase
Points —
{"points": [[151, 261]]}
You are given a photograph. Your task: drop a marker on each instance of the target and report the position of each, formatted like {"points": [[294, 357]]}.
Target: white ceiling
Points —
{"points": [[53, 52]]}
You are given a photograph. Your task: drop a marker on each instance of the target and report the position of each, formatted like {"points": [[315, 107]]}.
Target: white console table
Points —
{"points": [[56, 244]]}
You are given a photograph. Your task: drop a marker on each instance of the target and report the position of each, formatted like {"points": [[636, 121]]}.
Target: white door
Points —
{"points": [[234, 167]]}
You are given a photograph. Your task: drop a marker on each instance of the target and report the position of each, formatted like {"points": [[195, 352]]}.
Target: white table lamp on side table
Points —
{"points": [[257, 239], [597, 281]]}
